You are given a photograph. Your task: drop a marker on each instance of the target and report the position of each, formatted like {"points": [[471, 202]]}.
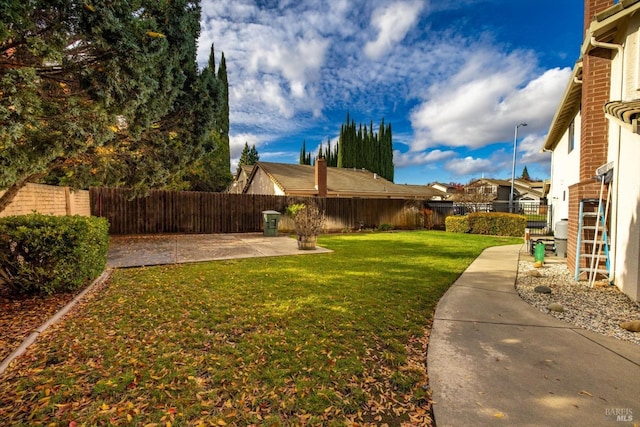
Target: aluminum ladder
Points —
{"points": [[593, 240]]}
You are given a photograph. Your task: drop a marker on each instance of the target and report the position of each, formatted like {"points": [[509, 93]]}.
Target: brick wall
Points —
{"points": [[596, 87], [48, 199], [592, 8], [577, 192], [594, 126]]}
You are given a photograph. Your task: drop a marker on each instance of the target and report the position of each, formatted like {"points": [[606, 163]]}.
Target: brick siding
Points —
{"points": [[596, 87]]}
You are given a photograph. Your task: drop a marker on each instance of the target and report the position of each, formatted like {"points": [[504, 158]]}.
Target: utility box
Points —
{"points": [[271, 220], [560, 237]]}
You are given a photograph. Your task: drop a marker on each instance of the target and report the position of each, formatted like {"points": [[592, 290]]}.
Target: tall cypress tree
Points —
{"points": [[360, 147], [212, 172]]}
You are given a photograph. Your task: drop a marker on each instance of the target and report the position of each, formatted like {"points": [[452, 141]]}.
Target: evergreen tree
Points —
{"points": [[305, 158], [525, 174], [223, 156], [98, 93], [361, 147], [249, 156], [244, 156], [254, 157]]}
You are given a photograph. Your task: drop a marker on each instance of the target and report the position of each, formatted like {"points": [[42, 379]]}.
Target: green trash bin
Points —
{"points": [[538, 255], [270, 219]]}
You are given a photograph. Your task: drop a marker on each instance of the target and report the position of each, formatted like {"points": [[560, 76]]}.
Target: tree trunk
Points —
{"points": [[12, 191], [9, 195]]}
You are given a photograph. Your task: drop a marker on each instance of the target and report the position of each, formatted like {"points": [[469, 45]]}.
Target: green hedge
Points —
{"points": [[457, 224], [491, 223], [47, 254]]}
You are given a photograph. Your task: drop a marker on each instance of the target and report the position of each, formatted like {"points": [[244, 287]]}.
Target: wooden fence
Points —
{"points": [[199, 212]]}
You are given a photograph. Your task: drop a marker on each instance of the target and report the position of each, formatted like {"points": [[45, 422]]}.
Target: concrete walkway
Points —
{"points": [[493, 359], [146, 250]]}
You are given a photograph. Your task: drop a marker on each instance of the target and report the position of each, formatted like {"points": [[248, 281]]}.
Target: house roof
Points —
{"points": [[449, 188], [295, 179], [520, 186], [604, 28], [246, 169], [569, 107]]}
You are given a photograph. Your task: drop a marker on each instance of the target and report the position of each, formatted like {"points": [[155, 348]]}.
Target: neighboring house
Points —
{"points": [[499, 189], [597, 123], [447, 190], [322, 181], [525, 193], [240, 179]]}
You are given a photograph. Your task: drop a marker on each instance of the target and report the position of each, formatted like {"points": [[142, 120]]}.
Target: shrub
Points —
{"points": [[47, 254], [308, 219], [457, 224], [385, 227], [497, 224]]}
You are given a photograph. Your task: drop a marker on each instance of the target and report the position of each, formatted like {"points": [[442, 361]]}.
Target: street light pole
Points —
{"points": [[513, 167]]}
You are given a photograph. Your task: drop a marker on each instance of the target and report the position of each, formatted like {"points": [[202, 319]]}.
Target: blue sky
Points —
{"points": [[453, 78]]}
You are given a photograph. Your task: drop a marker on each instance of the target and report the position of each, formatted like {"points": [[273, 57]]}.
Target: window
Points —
{"points": [[571, 136]]}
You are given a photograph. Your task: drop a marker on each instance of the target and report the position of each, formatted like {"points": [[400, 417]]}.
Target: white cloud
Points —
{"points": [[482, 102], [412, 159], [530, 149], [470, 166], [294, 66], [392, 23]]}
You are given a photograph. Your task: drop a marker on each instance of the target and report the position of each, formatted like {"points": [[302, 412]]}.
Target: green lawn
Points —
{"points": [[320, 339]]}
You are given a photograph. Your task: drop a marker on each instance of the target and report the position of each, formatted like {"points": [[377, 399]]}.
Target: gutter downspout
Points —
{"points": [[614, 231]]}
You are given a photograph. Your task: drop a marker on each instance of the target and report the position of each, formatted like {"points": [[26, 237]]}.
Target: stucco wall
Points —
{"points": [[565, 172], [626, 237], [262, 184], [48, 199], [624, 152]]}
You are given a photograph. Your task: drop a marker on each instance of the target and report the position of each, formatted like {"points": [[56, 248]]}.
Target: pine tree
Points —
{"points": [[254, 157], [249, 156], [244, 156], [525, 174]]}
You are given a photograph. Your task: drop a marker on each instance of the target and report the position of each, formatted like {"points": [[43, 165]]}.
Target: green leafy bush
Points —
{"points": [[457, 224], [385, 227], [47, 254], [497, 224]]}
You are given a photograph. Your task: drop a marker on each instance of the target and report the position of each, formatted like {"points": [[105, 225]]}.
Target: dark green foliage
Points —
{"points": [[385, 227], [305, 157], [212, 172], [497, 224], [105, 93], [360, 147], [457, 224], [249, 156], [525, 174], [47, 254]]}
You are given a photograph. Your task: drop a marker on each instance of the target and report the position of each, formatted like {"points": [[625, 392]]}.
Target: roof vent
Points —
{"points": [[375, 176]]}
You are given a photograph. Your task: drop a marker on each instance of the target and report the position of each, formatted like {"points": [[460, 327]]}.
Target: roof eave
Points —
{"points": [[567, 110]]}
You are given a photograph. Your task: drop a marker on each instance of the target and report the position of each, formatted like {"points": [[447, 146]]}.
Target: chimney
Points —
{"points": [[321, 176]]}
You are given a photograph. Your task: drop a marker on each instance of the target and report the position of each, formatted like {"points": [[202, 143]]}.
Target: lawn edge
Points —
{"points": [[27, 342]]}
